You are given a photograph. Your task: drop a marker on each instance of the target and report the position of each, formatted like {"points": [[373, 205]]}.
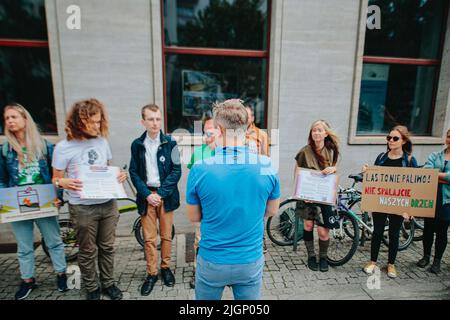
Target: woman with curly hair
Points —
{"points": [[95, 220]]}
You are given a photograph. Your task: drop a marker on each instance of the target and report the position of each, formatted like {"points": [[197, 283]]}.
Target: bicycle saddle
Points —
{"points": [[357, 177]]}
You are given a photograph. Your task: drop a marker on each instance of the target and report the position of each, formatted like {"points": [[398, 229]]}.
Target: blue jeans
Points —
{"points": [[245, 280], [49, 227]]}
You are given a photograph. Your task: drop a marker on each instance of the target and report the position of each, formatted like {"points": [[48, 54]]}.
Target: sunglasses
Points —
{"points": [[389, 138], [209, 134]]}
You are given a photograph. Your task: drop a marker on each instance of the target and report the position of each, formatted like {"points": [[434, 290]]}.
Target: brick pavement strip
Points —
{"points": [[285, 277]]}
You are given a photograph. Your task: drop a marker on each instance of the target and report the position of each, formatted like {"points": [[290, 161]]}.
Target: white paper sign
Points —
{"points": [[100, 182], [313, 186]]}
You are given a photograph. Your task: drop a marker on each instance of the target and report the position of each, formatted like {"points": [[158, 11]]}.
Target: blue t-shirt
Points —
{"points": [[232, 188]]}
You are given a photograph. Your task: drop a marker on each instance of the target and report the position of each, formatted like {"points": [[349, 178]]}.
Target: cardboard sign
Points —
{"points": [[313, 186], [27, 202], [400, 190]]}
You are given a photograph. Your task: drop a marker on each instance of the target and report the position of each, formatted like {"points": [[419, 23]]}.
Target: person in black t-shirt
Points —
{"points": [[399, 154]]}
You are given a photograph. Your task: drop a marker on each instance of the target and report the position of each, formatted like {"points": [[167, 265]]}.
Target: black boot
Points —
{"points": [[323, 264], [422, 263], [323, 254], [312, 263], [436, 266]]}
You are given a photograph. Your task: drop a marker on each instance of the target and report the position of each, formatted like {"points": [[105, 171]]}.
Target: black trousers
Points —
{"points": [[379, 221], [439, 227]]}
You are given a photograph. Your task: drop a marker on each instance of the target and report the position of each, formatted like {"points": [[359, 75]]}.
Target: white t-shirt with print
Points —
{"points": [[69, 155]]}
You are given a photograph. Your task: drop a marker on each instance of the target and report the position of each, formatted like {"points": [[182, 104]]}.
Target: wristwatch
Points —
{"points": [[57, 184]]}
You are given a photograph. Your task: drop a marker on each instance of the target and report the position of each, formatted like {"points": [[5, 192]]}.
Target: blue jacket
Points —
{"points": [[436, 161], [169, 168], [406, 162], [9, 167]]}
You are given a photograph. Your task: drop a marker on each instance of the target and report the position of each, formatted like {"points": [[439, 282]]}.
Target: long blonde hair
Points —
{"points": [[33, 140], [331, 143]]}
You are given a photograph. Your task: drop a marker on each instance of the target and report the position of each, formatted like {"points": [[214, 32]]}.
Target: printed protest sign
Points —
{"points": [[27, 202], [400, 190], [316, 187]]}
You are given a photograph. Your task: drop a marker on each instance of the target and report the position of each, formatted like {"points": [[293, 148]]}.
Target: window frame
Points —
{"points": [[436, 134], [218, 52]]}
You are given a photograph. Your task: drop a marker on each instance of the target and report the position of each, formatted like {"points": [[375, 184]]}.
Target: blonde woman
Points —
{"points": [[26, 160], [321, 153]]}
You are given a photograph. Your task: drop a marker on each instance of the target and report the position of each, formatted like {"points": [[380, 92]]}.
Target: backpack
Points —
{"points": [[381, 155]]}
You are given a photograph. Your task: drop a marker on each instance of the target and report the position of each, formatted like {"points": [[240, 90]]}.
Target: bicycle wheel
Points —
{"points": [[418, 229], [280, 227], [68, 238], [365, 235], [343, 247], [406, 234], [139, 232]]}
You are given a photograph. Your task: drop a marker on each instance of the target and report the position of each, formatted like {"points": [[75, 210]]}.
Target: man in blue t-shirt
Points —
{"points": [[231, 193]]}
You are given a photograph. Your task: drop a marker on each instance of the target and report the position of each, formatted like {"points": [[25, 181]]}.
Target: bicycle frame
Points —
{"points": [[351, 195]]}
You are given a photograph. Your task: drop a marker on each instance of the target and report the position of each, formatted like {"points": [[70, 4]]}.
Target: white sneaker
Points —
{"points": [[370, 268]]}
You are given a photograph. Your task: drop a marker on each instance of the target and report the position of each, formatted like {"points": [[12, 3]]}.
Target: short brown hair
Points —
{"points": [[81, 111], [231, 114], [151, 107]]}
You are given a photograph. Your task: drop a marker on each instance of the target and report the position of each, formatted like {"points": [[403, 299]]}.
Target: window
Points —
{"points": [[25, 62], [401, 67], [214, 50]]}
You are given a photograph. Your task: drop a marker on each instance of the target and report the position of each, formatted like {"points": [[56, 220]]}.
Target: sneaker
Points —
{"points": [[435, 266], [312, 264], [323, 264], [61, 281], [113, 292], [392, 271], [370, 268], [422, 263], [25, 289], [93, 295]]}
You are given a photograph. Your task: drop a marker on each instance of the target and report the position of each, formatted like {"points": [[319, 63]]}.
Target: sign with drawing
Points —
{"points": [[27, 202]]}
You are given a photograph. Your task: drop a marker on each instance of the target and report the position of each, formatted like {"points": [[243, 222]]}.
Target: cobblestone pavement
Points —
{"points": [[285, 276]]}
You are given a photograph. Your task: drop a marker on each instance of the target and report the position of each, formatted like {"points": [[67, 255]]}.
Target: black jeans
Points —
{"points": [[432, 226], [379, 222]]}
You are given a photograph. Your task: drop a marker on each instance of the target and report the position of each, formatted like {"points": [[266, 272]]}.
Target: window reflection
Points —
{"points": [[409, 29], [194, 83], [26, 79], [23, 19], [395, 94], [230, 24]]}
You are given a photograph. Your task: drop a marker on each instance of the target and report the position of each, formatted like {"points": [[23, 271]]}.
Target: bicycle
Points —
{"points": [[353, 226], [68, 234], [347, 203]]}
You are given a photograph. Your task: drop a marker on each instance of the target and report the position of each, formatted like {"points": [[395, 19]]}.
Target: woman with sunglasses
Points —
{"points": [[439, 224], [399, 154]]}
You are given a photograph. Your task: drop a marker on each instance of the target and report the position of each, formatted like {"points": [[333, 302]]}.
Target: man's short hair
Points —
{"points": [[231, 114], [151, 107]]}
